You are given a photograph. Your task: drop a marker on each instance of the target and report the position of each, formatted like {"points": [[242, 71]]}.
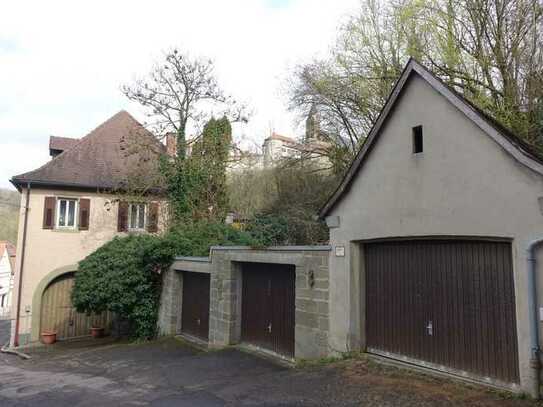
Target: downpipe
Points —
{"points": [[535, 350], [21, 267]]}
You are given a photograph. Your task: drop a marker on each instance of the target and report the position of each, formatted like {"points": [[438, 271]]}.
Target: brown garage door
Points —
{"points": [[268, 307], [450, 304], [195, 308], [58, 314]]}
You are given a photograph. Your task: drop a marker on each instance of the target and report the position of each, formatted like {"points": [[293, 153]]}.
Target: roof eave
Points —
{"points": [[21, 183]]}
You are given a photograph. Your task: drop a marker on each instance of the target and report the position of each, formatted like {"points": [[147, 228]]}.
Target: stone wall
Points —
{"points": [[169, 314], [225, 265]]}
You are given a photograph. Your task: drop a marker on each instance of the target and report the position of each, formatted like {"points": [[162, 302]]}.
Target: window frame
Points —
{"points": [[145, 216], [76, 214]]}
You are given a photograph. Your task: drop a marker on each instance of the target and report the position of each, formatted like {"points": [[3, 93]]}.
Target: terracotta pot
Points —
{"points": [[48, 338], [97, 332]]}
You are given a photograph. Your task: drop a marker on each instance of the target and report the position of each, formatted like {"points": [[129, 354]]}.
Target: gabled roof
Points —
{"points": [[109, 157], [511, 143]]}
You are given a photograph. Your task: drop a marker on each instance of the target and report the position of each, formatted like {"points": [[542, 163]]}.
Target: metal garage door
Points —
{"points": [[449, 304], [268, 307], [195, 308], [58, 314]]}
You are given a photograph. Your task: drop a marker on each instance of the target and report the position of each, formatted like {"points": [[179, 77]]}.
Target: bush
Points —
{"points": [[269, 230], [195, 239], [123, 276]]}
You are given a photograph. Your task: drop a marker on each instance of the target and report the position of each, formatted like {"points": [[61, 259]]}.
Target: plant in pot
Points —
{"points": [[48, 337], [97, 331]]}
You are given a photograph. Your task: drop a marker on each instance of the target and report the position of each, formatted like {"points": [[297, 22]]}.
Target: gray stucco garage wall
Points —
{"points": [[463, 184], [225, 268]]}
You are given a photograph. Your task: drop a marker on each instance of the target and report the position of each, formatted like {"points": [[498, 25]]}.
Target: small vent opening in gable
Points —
{"points": [[418, 141]]}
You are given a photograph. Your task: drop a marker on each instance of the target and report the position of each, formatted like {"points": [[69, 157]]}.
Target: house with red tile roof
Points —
{"points": [[94, 188]]}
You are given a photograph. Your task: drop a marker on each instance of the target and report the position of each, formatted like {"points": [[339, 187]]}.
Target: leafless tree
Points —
{"points": [[182, 91], [489, 50]]}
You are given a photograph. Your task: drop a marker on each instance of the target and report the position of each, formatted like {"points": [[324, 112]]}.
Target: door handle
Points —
{"points": [[430, 328], [198, 321], [270, 327]]}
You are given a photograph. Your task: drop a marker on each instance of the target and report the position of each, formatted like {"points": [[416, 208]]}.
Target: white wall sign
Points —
{"points": [[340, 251]]}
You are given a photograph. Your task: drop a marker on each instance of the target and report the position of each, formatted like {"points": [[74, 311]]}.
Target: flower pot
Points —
{"points": [[97, 332], [48, 338]]}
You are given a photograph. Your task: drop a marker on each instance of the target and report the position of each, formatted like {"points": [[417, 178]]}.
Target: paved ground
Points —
{"points": [[4, 331], [169, 373]]}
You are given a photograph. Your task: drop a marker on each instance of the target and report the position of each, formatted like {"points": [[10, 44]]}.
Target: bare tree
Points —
{"points": [[489, 50], [349, 88], [182, 91]]}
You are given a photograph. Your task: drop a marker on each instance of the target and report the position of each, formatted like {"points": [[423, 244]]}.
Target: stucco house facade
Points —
{"points": [[94, 188], [7, 269], [434, 234]]}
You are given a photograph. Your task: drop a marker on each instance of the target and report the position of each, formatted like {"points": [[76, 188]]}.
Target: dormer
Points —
{"points": [[59, 144]]}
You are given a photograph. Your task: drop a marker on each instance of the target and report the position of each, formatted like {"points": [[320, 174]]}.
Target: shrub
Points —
{"points": [[123, 276], [269, 230]]}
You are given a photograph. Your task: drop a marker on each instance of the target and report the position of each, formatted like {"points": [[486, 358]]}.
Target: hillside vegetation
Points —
{"points": [[9, 214]]}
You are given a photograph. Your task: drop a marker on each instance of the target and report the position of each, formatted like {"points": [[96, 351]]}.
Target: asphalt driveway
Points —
{"points": [[5, 325], [170, 373]]}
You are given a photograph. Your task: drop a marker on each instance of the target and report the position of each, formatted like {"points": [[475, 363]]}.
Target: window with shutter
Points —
{"points": [[152, 224], [84, 214], [49, 212], [122, 221], [66, 213], [136, 217]]}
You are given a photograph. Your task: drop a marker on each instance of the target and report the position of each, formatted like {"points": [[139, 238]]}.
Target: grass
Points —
{"points": [[304, 363]]}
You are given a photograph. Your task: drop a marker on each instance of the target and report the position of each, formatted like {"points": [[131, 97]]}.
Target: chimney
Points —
{"points": [[171, 144]]}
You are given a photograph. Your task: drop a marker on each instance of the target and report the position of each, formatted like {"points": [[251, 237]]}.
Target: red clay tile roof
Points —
{"points": [[62, 143], [286, 139], [116, 155]]}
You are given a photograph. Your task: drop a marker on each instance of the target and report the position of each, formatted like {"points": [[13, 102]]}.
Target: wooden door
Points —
{"points": [[58, 314], [268, 306], [445, 303], [195, 308]]}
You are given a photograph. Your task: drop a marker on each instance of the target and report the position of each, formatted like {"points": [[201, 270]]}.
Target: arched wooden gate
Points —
{"points": [[59, 315]]}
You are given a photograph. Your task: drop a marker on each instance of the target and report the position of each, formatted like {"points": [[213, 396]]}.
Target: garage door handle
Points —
{"points": [[430, 328]]}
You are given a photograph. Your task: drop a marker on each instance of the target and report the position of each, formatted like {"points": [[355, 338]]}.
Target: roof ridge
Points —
{"points": [[79, 140], [95, 160]]}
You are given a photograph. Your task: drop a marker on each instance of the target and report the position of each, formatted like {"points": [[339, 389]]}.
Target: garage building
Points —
{"points": [[434, 232], [274, 300]]}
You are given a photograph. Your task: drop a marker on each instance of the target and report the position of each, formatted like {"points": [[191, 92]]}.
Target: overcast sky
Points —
{"points": [[62, 62]]}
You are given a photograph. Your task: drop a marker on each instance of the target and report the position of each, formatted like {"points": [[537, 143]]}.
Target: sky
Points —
{"points": [[62, 62]]}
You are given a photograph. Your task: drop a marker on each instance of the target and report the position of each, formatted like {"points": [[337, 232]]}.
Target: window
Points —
{"points": [[417, 139], [136, 217], [66, 213]]}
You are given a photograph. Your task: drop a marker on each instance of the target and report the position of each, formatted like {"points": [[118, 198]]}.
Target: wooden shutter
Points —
{"points": [[122, 221], [49, 212], [84, 214], [152, 222]]}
